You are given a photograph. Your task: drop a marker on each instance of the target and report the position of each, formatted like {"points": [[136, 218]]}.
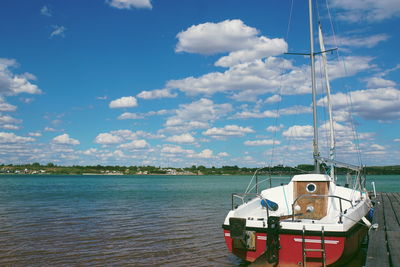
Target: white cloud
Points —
{"points": [[255, 114], [275, 128], [396, 140], [64, 139], [45, 11], [378, 147], [107, 139], [158, 112], [261, 142], [273, 99], [372, 104], [228, 130], [121, 136], [119, 154], [223, 154], [233, 36], [212, 38], [49, 129], [173, 149], [130, 116], [343, 133], [359, 41], [135, 144], [263, 47], [260, 77], [58, 31], [367, 10], [299, 132], [185, 138], [26, 100], [90, 151], [378, 82], [4, 106], [12, 138], [125, 134], [342, 115], [9, 127], [137, 116], [354, 65], [6, 119], [159, 93], [124, 102], [272, 114], [129, 4], [35, 134], [149, 135], [196, 115], [295, 110], [205, 154], [13, 84]]}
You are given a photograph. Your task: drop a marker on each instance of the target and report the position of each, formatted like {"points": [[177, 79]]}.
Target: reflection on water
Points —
{"points": [[103, 220]]}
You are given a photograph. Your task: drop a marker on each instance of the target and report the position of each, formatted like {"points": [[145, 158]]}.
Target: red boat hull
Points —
{"points": [[339, 249]]}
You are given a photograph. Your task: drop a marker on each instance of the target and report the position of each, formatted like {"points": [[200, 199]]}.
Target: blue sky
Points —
{"points": [[181, 83]]}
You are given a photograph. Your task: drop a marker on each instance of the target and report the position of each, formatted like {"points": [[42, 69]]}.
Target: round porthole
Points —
{"points": [[311, 188]]}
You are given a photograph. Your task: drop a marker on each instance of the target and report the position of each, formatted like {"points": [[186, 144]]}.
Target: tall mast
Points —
{"points": [[328, 96], [314, 93]]}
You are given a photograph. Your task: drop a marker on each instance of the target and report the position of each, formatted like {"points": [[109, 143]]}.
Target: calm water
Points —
{"points": [[121, 220]]}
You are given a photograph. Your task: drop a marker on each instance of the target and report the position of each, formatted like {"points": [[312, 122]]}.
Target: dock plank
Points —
{"points": [[393, 238], [390, 217], [395, 206], [378, 213], [377, 254], [383, 246], [396, 196]]}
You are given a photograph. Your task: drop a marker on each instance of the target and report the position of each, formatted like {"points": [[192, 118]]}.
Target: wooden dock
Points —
{"points": [[384, 242]]}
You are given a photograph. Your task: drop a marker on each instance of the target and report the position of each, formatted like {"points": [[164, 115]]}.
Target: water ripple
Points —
{"points": [[124, 221]]}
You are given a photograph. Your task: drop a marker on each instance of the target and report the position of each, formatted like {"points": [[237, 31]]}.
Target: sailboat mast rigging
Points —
{"points": [[328, 97], [314, 91]]}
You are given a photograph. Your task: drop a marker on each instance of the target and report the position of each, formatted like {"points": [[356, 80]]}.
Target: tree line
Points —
{"points": [[52, 168]]}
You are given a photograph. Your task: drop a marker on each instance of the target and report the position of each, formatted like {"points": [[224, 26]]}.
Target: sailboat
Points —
{"points": [[311, 221]]}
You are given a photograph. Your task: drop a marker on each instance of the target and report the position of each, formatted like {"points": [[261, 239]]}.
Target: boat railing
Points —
{"points": [[242, 197], [322, 196], [257, 183]]}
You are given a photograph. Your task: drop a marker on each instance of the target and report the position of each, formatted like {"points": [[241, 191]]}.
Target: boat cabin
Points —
{"points": [[309, 195]]}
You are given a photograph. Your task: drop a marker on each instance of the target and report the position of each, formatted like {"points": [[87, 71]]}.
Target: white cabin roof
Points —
{"points": [[311, 177]]}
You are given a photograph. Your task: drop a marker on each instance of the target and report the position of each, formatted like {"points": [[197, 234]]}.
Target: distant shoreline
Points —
{"points": [[275, 176], [50, 168]]}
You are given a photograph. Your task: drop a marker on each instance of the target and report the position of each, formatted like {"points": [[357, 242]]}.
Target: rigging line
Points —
{"points": [[352, 124], [326, 86], [303, 171], [290, 19], [355, 134], [280, 89], [340, 58], [331, 23], [292, 132]]}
